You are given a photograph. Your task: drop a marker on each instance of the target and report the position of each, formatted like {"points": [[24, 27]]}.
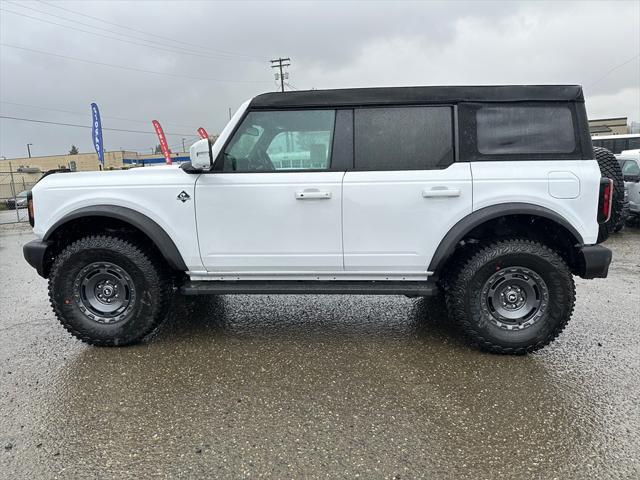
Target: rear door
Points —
{"points": [[405, 192]]}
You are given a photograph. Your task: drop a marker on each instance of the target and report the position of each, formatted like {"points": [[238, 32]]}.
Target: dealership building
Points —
{"points": [[609, 126], [88, 161], [18, 174]]}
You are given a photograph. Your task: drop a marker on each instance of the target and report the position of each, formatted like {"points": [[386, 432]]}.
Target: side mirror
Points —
{"points": [[631, 178], [200, 154]]}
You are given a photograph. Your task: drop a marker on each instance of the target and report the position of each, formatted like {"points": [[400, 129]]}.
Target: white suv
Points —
{"points": [[630, 166], [488, 194]]}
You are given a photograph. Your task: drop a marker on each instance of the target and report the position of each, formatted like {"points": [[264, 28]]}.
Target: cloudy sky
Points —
{"points": [[187, 63]]}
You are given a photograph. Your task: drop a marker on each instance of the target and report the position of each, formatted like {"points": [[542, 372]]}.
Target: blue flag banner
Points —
{"points": [[96, 131]]}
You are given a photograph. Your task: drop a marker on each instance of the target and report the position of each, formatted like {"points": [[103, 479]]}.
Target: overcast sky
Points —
{"points": [[225, 48]]}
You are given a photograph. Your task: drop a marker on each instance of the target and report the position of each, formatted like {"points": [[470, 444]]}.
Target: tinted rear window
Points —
{"points": [[411, 138], [525, 129]]}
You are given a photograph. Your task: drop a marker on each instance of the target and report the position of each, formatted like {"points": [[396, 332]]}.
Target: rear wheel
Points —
{"points": [[108, 292], [610, 168], [513, 296]]}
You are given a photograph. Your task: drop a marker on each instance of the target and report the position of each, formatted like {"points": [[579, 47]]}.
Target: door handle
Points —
{"points": [[441, 192], [312, 194]]}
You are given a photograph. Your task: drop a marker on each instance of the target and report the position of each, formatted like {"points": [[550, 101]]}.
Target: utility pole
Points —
{"points": [[279, 63], [29, 149], [183, 144]]}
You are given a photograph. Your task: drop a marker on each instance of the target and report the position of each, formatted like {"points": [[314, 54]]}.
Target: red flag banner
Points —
{"points": [[163, 142], [203, 133]]}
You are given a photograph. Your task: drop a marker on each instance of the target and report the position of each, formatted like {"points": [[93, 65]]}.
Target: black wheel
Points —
{"points": [[610, 168], [514, 296], [108, 292]]}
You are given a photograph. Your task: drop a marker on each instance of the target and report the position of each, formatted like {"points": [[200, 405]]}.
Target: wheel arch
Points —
{"points": [[134, 219], [485, 216]]}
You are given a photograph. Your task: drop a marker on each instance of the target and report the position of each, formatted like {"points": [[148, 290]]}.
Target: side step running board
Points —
{"points": [[338, 287]]}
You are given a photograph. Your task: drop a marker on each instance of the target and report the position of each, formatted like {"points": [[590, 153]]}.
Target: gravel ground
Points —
{"points": [[319, 386]]}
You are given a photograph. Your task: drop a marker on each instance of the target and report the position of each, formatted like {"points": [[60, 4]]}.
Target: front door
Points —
{"points": [[275, 208]]}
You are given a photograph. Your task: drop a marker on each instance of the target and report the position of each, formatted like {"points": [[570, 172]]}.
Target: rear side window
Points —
{"points": [[633, 143], [524, 129], [411, 138]]}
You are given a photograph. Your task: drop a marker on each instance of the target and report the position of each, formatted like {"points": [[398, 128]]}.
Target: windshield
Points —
{"points": [[23, 194]]}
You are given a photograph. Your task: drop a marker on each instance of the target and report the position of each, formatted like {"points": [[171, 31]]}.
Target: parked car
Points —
{"points": [[630, 165], [617, 143], [19, 201], [625, 212], [489, 195]]}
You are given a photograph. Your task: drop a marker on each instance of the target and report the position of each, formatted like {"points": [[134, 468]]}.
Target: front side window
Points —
{"points": [[411, 138], [281, 140], [525, 129]]}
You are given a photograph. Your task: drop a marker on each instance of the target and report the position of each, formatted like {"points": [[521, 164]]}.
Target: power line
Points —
{"points": [[33, 120], [67, 19], [177, 75], [152, 46], [223, 52], [176, 145], [612, 70], [279, 63], [75, 112]]}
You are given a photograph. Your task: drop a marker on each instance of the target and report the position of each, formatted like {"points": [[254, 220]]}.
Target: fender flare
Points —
{"points": [[459, 230], [136, 219]]}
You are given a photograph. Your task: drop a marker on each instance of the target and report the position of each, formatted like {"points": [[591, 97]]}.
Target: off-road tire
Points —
{"points": [[610, 168], [150, 286], [466, 283]]}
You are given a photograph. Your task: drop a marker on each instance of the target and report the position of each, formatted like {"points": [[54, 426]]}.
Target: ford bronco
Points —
{"points": [[490, 195]]}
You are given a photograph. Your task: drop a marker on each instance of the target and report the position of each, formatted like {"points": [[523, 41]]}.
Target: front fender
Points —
{"points": [[136, 219], [151, 198]]}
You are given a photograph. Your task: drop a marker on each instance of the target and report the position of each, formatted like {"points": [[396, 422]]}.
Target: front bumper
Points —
{"points": [[35, 255], [595, 261]]}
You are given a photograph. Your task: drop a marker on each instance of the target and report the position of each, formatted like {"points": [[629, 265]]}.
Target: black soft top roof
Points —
{"points": [[418, 95]]}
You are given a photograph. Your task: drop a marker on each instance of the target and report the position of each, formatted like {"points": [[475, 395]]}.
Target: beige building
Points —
{"points": [[79, 162], [608, 126], [18, 174]]}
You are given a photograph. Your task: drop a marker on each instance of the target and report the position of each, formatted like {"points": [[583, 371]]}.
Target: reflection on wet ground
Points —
{"points": [[311, 386]]}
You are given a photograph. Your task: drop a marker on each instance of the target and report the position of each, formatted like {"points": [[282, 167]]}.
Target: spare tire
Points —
{"points": [[610, 168]]}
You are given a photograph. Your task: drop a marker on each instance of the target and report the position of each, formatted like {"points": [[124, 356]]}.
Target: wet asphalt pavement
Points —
{"points": [[319, 386]]}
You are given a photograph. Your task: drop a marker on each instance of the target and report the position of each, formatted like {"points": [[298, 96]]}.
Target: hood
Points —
{"points": [[155, 175]]}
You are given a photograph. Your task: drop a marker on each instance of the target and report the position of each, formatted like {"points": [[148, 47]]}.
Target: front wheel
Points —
{"points": [[512, 297], [108, 292]]}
